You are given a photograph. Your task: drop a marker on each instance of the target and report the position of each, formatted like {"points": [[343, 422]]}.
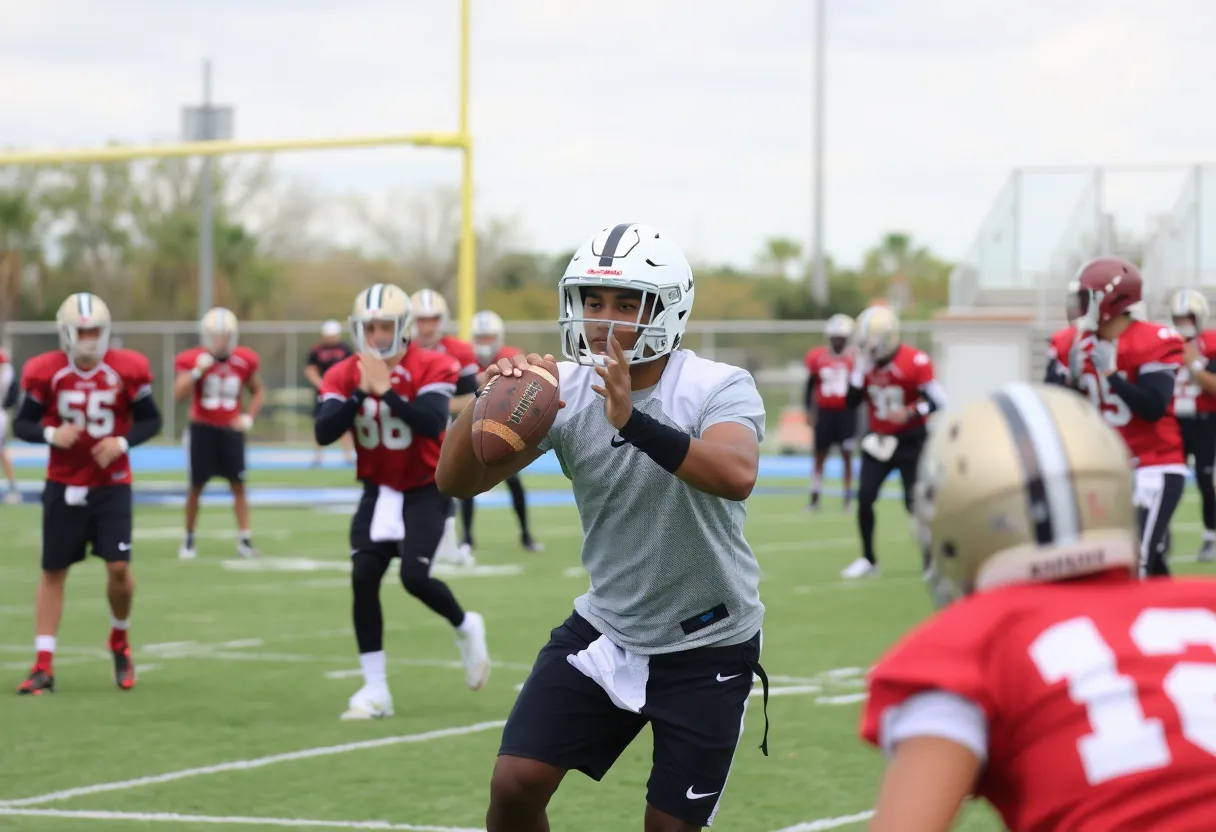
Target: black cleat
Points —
{"points": [[124, 668], [39, 682]]}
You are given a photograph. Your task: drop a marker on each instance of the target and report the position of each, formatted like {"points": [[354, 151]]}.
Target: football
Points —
{"points": [[514, 414]]}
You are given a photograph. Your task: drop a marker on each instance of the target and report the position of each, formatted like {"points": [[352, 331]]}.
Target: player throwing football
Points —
{"points": [[215, 374], [91, 404], [394, 396], [1056, 686], [662, 449], [1127, 368], [489, 344]]}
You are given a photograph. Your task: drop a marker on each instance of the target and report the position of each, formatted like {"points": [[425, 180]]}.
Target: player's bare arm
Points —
{"points": [[257, 395], [808, 398], [313, 374], [925, 784], [724, 462], [460, 474]]}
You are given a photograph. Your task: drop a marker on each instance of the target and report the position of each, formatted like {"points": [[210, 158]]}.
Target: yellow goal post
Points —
{"points": [[462, 140]]}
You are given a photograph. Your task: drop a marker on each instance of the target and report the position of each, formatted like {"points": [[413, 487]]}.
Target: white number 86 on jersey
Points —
{"points": [[377, 427]]}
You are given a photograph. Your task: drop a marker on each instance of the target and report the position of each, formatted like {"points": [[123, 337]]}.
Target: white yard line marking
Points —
{"points": [[173, 817], [259, 762], [830, 823]]}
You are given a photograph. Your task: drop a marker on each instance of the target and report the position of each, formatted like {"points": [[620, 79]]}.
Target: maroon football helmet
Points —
{"points": [[1113, 284]]}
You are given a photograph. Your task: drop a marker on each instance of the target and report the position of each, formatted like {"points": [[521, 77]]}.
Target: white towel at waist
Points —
{"points": [[388, 518], [621, 674]]}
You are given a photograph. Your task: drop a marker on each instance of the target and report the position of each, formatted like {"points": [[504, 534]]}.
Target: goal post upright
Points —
{"points": [[462, 140]]}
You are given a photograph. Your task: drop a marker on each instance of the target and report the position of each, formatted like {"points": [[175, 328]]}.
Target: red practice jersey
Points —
{"points": [[98, 400], [831, 372], [386, 450], [1099, 697], [217, 393], [505, 352], [1142, 348], [1188, 398], [897, 385], [462, 351]]}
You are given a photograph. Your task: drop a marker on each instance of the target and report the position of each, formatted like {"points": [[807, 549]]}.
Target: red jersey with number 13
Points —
{"points": [[217, 393], [897, 385], [386, 450], [1099, 697], [831, 372], [97, 400]]}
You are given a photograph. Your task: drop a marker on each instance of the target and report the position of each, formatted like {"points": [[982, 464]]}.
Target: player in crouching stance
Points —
{"points": [[1057, 686], [394, 396], [91, 404], [214, 375], [662, 448]]}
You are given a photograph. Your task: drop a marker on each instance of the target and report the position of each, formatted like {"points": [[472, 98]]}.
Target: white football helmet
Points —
{"points": [[838, 327], [1072, 302], [1189, 303], [878, 332], [489, 334], [83, 311], [218, 331], [331, 329], [382, 302], [1027, 484], [636, 257]]}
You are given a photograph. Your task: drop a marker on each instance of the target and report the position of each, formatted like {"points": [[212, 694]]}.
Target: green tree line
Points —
{"points": [[129, 231]]}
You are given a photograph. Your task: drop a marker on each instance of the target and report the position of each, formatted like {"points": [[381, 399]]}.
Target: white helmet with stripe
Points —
{"points": [[1027, 484], [429, 305], [382, 302], [1189, 303], [489, 334], [83, 312], [635, 257], [218, 332]]}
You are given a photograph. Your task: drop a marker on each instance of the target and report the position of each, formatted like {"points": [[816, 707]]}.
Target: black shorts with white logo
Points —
{"points": [[103, 521], [836, 428], [695, 701], [215, 452]]}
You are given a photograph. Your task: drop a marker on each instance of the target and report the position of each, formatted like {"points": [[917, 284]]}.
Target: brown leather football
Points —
{"points": [[514, 414]]}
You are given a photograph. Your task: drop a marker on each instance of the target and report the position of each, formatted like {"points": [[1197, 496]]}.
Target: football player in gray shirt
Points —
{"points": [[662, 448]]}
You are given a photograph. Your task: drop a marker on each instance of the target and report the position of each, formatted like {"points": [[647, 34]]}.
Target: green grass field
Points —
{"points": [[242, 661]]}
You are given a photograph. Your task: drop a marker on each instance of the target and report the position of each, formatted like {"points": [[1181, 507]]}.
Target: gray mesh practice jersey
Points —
{"points": [[670, 569]]}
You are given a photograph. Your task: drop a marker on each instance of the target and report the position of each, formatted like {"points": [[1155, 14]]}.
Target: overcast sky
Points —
{"points": [[694, 115]]}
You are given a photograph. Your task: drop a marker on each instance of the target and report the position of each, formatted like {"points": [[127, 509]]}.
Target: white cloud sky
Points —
{"points": [[691, 114]]}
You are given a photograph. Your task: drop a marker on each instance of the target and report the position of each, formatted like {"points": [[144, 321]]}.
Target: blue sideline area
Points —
{"points": [[164, 458]]}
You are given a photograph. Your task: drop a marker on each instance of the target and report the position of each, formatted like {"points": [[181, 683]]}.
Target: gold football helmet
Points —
{"points": [[1188, 303], [87, 312], [878, 332], [1027, 484], [382, 302], [218, 331]]}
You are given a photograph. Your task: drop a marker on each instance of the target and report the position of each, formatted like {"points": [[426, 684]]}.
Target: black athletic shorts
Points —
{"points": [[695, 701], [215, 452], [836, 427], [424, 513], [104, 522], [1199, 441]]}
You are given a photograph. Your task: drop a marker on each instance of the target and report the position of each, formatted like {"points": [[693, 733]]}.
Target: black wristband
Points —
{"points": [[667, 446], [359, 395]]}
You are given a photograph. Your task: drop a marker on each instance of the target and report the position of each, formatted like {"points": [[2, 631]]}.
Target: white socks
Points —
{"points": [[119, 625], [373, 668], [44, 644]]}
